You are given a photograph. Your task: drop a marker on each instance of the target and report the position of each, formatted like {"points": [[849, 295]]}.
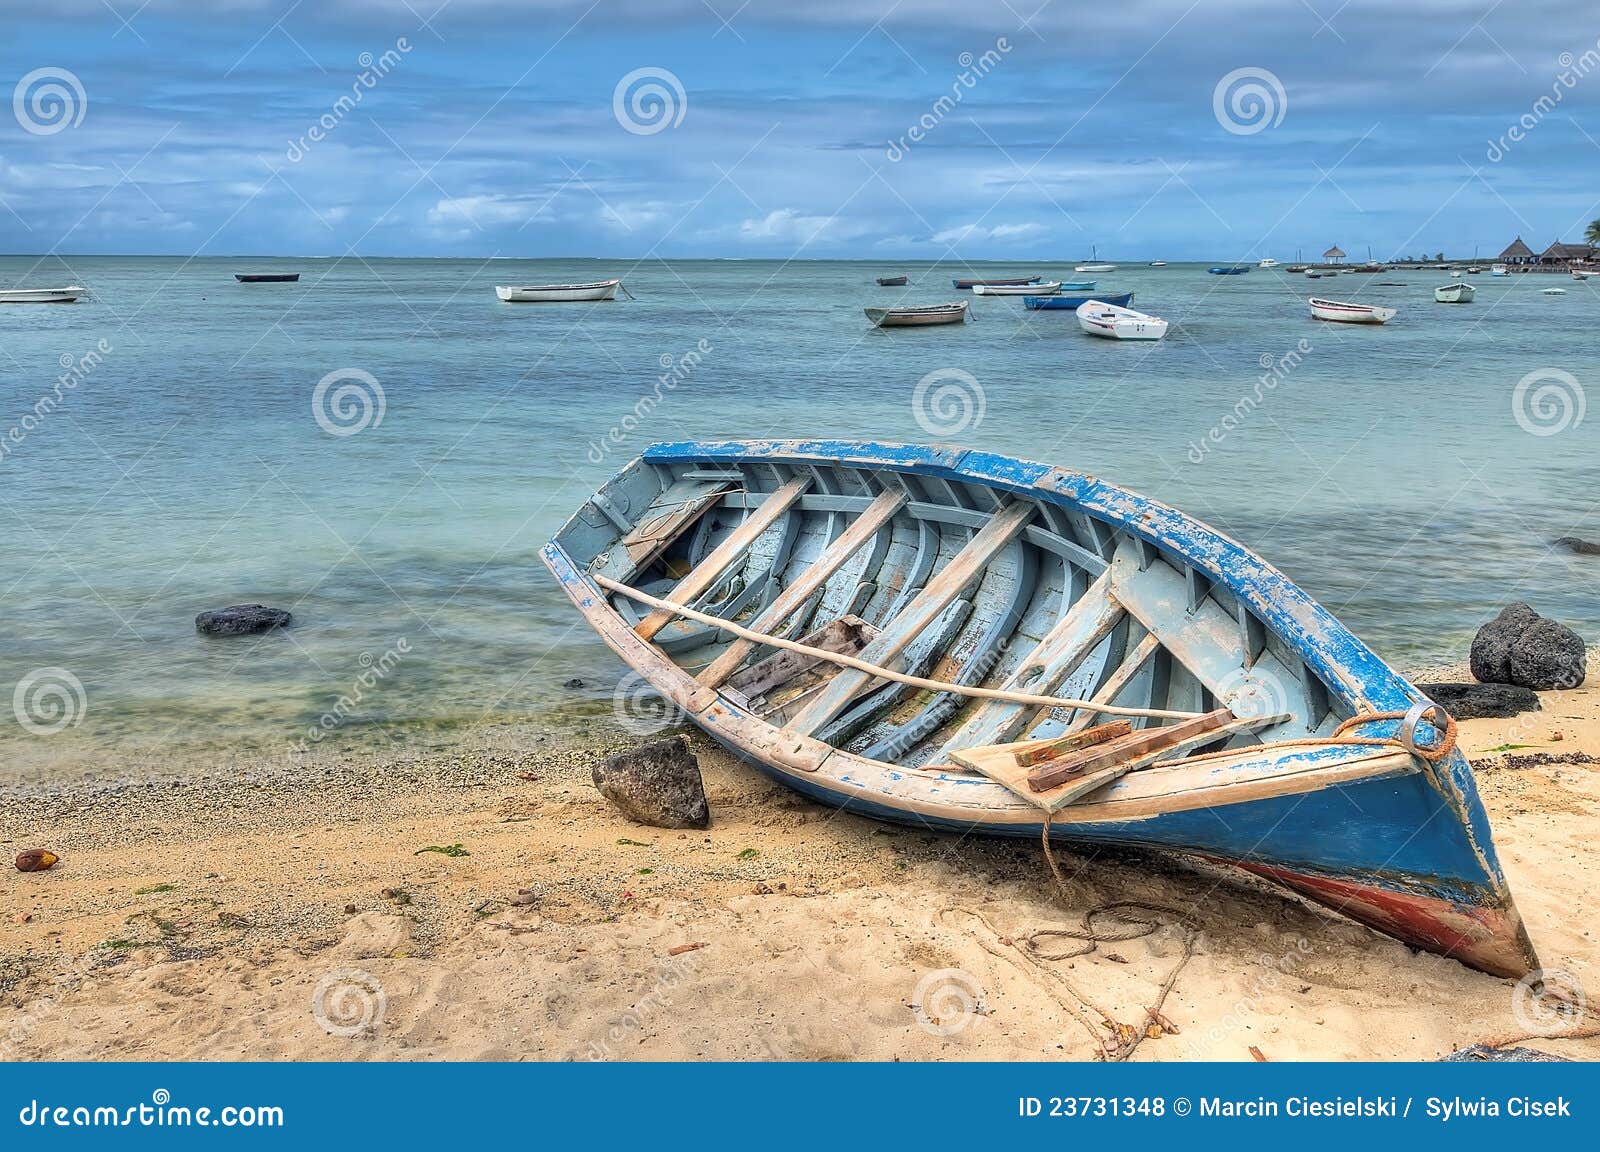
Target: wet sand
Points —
{"points": [[298, 914]]}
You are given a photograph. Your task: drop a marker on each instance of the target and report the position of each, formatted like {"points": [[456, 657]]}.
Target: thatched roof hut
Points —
{"points": [[1518, 253], [1335, 254]]}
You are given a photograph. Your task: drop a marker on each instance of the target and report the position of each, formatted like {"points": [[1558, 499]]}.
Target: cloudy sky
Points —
{"points": [[1216, 129]]}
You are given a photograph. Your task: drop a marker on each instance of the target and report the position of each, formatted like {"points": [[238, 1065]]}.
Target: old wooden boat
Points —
{"points": [[1457, 293], [266, 277], [1046, 288], [891, 281], [1016, 280], [919, 316], [1344, 312], [1073, 301], [1078, 285], [558, 293], [1101, 319], [68, 295], [944, 637]]}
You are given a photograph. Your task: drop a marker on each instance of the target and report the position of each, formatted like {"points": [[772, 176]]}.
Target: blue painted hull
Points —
{"points": [[1073, 303], [1405, 846]]}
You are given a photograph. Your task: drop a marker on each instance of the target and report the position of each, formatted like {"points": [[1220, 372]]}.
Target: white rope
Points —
{"points": [[877, 670]]}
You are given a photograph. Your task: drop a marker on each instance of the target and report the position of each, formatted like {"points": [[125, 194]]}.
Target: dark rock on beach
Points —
{"points": [[1521, 647], [241, 620], [1483, 1052], [1581, 547], [1468, 701], [657, 784]]}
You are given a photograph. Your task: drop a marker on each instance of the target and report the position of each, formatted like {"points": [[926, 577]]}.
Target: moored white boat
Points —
{"points": [[1158, 263], [67, 295], [1555, 292], [1461, 293], [1048, 288], [1499, 270], [1584, 273], [919, 316], [1269, 262], [1347, 313], [1095, 268], [1100, 319], [557, 293]]}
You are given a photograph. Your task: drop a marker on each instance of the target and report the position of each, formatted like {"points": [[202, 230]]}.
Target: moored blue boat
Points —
{"points": [[1074, 302], [1052, 605], [1077, 285], [1229, 269]]}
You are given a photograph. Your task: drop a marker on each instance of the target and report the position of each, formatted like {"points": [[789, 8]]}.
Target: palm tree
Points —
{"points": [[1592, 233]]}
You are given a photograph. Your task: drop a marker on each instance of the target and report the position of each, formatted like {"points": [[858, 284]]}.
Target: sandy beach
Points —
{"points": [[489, 904]]}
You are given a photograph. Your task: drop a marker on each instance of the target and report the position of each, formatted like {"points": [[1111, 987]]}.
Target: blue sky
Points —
{"points": [[494, 130]]}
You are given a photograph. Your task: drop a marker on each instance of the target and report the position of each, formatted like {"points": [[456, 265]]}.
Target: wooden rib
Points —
{"points": [[723, 556], [1087, 622], [870, 670], [964, 567], [1120, 679], [833, 557], [1132, 746]]}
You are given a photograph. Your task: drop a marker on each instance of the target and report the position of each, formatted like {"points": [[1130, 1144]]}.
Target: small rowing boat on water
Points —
{"points": [[891, 281], [1158, 263], [997, 283], [1554, 292], [67, 295], [558, 293], [1346, 313], [1048, 288], [1101, 319], [1229, 269], [1073, 303], [1077, 285], [1461, 293], [960, 640], [266, 277], [919, 317], [1584, 273]]}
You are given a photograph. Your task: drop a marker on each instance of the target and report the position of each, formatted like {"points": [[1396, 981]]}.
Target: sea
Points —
{"points": [[383, 447]]}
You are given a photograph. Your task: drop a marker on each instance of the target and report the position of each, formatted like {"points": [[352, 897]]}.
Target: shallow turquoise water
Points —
{"points": [[1386, 471]]}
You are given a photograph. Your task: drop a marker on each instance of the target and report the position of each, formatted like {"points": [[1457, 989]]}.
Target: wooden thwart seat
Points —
{"points": [[1053, 773]]}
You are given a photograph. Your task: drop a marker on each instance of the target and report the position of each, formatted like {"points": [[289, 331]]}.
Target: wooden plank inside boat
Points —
{"points": [[683, 502], [1129, 747], [726, 554]]}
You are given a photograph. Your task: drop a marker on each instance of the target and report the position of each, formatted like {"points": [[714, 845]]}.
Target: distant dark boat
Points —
{"points": [[997, 283], [1229, 269], [266, 277], [1073, 303], [891, 281]]}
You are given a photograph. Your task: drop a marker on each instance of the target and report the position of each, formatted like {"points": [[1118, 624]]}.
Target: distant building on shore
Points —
{"points": [[1517, 253], [1560, 255], [1334, 255]]}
